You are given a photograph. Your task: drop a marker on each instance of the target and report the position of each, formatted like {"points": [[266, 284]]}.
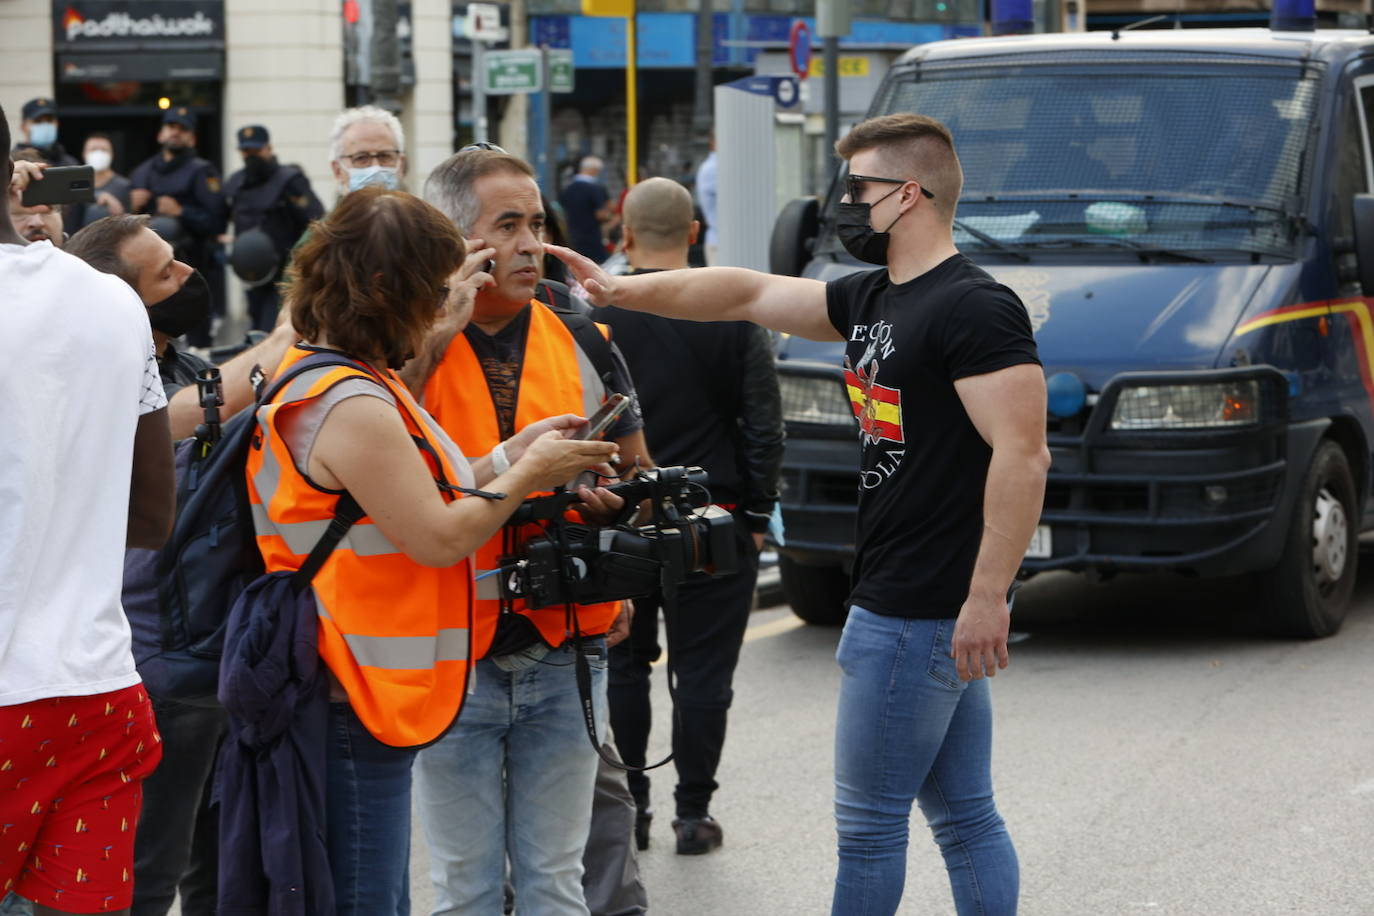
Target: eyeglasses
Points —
{"points": [[481, 144], [386, 158], [853, 185]]}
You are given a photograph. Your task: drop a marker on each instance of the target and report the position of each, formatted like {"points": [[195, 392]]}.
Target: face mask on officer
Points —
{"points": [[99, 159], [373, 175], [256, 168], [854, 226], [184, 310], [43, 134]]}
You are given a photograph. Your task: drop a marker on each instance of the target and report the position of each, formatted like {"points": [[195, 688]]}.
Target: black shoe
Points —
{"points": [[643, 818], [697, 835]]}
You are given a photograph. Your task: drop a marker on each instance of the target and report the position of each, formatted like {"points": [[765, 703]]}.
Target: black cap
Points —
{"points": [[180, 114], [254, 136], [36, 108]]}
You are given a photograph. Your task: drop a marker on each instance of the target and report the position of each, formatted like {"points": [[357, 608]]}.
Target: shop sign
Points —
{"points": [[146, 24]]}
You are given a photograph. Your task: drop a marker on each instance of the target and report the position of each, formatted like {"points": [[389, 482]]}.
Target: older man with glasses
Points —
{"points": [[367, 147]]}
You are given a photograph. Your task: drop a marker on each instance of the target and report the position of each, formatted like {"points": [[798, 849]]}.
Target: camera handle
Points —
{"points": [[211, 391]]}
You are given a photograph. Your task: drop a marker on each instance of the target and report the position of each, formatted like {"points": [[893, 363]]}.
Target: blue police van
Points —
{"points": [[1186, 216]]}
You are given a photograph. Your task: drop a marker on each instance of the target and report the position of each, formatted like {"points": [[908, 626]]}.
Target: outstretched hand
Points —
{"points": [[600, 286]]}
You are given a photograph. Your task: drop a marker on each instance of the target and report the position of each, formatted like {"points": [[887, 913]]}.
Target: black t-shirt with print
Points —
{"points": [[924, 464]]}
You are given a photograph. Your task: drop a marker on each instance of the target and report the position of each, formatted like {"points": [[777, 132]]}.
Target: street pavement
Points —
{"points": [[1153, 755]]}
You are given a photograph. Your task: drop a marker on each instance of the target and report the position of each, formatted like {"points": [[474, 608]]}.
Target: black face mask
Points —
{"points": [[177, 150], [184, 310], [257, 168], [854, 225]]}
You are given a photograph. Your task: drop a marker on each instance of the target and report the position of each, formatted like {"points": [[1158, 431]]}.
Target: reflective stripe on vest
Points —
{"points": [[395, 634], [556, 377]]}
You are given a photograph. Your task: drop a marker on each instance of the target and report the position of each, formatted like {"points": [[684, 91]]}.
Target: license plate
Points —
{"points": [[1041, 544]]}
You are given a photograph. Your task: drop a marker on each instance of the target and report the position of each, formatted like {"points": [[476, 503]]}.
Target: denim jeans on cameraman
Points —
{"points": [[909, 729], [367, 805], [515, 776]]}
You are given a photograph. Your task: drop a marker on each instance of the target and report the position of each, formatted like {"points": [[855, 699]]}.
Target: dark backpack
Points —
{"points": [[212, 554], [598, 349]]}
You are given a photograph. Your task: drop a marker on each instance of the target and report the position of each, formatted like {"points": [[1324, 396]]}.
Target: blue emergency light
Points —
{"points": [[1014, 17], [1293, 16]]}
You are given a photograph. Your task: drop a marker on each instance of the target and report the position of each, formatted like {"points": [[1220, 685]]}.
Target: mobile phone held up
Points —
{"points": [[605, 415], [68, 184]]}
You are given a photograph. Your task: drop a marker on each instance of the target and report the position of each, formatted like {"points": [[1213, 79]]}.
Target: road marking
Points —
{"points": [[762, 631]]}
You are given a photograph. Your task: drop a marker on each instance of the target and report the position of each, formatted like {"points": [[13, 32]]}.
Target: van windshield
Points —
{"points": [[1061, 156]]}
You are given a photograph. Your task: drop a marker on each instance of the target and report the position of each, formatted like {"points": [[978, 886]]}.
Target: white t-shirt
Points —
{"points": [[77, 370]]}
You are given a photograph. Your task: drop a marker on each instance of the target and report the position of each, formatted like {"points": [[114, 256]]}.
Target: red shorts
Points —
{"points": [[71, 783]]}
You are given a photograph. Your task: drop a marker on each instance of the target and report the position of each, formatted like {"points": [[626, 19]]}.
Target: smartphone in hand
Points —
{"points": [[600, 421], [68, 184]]}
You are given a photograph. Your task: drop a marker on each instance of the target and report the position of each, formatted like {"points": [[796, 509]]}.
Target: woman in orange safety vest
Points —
{"points": [[395, 596]]}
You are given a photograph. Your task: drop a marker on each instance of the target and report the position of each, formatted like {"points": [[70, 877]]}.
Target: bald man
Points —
{"points": [[730, 423]]}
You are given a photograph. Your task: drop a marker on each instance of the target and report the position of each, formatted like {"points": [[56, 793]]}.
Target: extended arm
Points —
{"points": [[152, 494], [236, 379], [790, 304], [1008, 409]]}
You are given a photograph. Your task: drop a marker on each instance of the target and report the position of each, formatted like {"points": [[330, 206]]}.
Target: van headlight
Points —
{"points": [[1204, 405], [814, 399]]}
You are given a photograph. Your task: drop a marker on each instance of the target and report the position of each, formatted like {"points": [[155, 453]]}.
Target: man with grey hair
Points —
{"points": [[588, 207], [518, 763], [367, 147]]}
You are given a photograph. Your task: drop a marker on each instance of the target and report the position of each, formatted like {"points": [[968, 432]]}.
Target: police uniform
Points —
{"points": [[54, 153], [278, 200], [193, 183]]}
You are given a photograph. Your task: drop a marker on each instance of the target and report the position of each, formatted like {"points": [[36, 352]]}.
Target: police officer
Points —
{"points": [[39, 130], [271, 205], [182, 192]]}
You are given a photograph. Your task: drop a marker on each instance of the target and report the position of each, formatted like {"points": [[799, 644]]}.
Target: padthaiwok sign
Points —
{"points": [[105, 25]]}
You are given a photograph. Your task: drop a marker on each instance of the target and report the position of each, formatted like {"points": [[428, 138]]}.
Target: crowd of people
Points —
{"points": [[378, 646]]}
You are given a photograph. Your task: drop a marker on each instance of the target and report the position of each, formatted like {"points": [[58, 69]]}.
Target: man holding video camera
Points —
{"points": [[518, 765]]}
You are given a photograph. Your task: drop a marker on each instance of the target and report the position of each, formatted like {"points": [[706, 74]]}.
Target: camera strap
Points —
{"points": [[583, 672]]}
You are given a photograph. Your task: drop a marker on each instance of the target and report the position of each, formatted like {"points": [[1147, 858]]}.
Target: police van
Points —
{"points": [[1185, 215]]}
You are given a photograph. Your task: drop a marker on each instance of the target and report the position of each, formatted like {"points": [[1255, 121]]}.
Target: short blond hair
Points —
{"points": [[913, 146]]}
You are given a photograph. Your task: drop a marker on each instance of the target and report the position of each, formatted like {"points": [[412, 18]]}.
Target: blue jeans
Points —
{"points": [[909, 729], [367, 787], [514, 777]]}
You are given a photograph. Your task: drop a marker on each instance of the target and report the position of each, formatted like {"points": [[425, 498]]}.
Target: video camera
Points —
{"points": [[583, 564]]}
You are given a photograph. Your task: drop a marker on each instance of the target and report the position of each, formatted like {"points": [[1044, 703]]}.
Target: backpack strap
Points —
{"points": [[598, 349]]}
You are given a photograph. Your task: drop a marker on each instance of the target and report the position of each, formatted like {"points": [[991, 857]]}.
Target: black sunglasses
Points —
{"points": [[481, 144], [852, 185]]}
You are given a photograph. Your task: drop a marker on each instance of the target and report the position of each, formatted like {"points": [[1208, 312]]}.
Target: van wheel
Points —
{"points": [[817, 594], [1307, 595]]}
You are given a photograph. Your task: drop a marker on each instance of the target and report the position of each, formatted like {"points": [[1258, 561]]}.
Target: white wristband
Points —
{"points": [[500, 464]]}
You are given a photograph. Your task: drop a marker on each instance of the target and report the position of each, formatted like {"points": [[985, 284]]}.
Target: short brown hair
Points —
{"points": [[100, 244], [452, 185], [370, 278], [914, 146]]}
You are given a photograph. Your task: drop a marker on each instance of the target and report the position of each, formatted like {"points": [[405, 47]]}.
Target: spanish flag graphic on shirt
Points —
{"points": [[877, 407]]}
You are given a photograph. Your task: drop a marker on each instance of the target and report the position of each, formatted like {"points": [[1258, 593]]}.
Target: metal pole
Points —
{"points": [[479, 91], [546, 123], [631, 101], [832, 95]]}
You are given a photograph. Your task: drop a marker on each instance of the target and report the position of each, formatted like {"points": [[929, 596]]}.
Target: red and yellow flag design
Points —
{"points": [[877, 407]]}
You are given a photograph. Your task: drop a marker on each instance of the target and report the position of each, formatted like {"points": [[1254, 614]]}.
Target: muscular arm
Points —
{"points": [[790, 304], [152, 495], [184, 408], [1008, 409]]}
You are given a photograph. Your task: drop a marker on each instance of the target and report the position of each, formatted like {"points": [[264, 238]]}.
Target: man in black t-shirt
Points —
{"points": [[945, 381]]}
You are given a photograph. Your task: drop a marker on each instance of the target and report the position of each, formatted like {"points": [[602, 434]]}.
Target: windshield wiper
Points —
{"points": [[991, 242], [1140, 248]]}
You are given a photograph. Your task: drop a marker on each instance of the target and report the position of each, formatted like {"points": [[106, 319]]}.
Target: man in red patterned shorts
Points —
{"points": [[85, 467]]}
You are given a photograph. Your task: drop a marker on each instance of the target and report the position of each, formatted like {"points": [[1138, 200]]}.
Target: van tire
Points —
{"points": [[1307, 595], [817, 594]]}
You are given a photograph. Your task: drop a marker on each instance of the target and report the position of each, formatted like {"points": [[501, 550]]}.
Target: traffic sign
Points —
{"points": [[799, 45], [560, 69], [511, 72], [483, 22]]}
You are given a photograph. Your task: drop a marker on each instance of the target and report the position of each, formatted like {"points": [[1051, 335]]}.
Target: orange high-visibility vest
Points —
{"points": [[556, 377], [394, 633]]}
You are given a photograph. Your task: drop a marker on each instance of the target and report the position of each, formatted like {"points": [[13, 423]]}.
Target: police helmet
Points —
{"points": [[254, 258]]}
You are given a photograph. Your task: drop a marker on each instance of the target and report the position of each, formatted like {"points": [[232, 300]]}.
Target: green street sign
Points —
{"points": [[511, 72], [560, 70]]}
